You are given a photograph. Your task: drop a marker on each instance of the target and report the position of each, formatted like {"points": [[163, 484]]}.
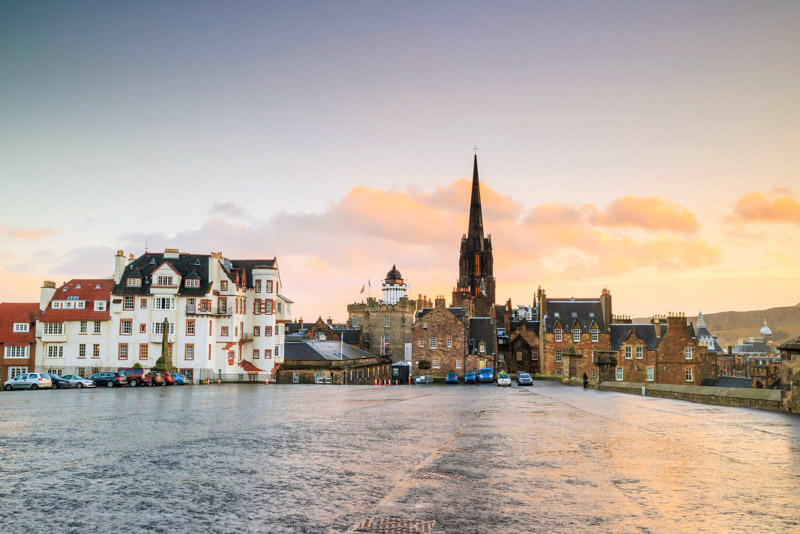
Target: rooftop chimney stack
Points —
{"points": [[119, 266], [46, 294]]}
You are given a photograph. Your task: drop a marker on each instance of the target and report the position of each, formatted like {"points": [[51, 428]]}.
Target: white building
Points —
{"points": [[72, 330], [225, 316], [394, 288]]}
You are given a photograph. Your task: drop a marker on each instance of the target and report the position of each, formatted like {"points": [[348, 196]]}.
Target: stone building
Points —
{"points": [[440, 342], [386, 324], [790, 375], [331, 362], [476, 263], [524, 349]]}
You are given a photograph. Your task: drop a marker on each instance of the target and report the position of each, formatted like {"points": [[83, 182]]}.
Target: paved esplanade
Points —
{"points": [[550, 458]]}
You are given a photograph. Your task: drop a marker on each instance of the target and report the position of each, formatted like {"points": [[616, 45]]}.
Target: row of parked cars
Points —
{"points": [[133, 377], [484, 375]]}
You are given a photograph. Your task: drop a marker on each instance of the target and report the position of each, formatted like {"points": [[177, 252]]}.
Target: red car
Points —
{"points": [[139, 376], [169, 380]]}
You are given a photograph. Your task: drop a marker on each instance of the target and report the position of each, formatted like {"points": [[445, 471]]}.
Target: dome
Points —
{"points": [[394, 274], [765, 331]]}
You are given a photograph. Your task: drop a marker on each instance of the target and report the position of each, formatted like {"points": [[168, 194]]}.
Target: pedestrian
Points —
{"points": [[585, 380]]}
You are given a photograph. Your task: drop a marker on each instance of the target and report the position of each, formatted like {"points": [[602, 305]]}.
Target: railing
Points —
{"points": [[247, 337], [196, 310]]}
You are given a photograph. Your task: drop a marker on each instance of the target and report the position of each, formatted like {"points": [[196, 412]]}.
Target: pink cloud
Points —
{"points": [[26, 233], [650, 213], [758, 208]]}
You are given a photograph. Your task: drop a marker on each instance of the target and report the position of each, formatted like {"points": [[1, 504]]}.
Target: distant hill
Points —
{"points": [[730, 326]]}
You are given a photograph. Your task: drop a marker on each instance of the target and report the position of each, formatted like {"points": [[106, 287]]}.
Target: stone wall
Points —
{"points": [[441, 324], [765, 399]]}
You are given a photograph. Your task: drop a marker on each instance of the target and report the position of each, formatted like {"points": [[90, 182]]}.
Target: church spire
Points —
{"points": [[475, 232]]}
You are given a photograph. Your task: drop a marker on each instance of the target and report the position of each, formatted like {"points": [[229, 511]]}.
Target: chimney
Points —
{"points": [[440, 301], [330, 321], [301, 322], [119, 266], [172, 253], [46, 294], [542, 296], [605, 304]]}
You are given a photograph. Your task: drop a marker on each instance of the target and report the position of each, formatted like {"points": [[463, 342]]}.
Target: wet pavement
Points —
{"points": [[255, 458]]}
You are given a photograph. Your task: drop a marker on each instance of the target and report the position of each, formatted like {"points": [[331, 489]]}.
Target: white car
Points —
{"points": [[76, 381], [503, 379], [29, 381]]}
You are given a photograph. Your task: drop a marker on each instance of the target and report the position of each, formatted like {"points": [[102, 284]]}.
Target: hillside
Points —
{"points": [[730, 326]]}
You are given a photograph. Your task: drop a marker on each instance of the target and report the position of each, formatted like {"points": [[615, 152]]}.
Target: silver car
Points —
{"points": [[76, 381], [29, 381]]}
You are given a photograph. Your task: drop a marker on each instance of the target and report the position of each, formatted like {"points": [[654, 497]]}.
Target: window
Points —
{"points": [[189, 353], [355, 322], [255, 354], [267, 354], [20, 351], [267, 330], [639, 353], [99, 305], [123, 351], [82, 350], [424, 326], [55, 351], [558, 373], [650, 373], [95, 350], [134, 282], [519, 355], [192, 282], [164, 303], [84, 327], [164, 281], [96, 327], [595, 335], [14, 372], [558, 356], [458, 363], [535, 356], [258, 286], [158, 328], [482, 347], [576, 335], [619, 374], [421, 343], [449, 343], [387, 322], [559, 333], [190, 327], [435, 363], [56, 305], [269, 286], [256, 331], [143, 304], [687, 353], [433, 342], [142, 328], [53, 329], [22, 327], [224, 331], [223, 286], [80, 305], [689, 375], [268, 307], [278, 305], [628, 353], [128, 303], [126, 327]]}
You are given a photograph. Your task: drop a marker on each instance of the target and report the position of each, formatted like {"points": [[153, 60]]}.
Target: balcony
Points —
{"points": [[198, 310], [247, 337]]}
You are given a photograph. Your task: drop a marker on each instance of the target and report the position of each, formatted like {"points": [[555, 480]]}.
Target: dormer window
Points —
{"points": [[134, 282], [192, 282], [22, 327], [56, 305], [482, 347], [164, 280], [223, 286], [99, 305]]}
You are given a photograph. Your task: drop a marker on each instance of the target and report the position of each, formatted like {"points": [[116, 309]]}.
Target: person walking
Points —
{"points": [[585, 380]]}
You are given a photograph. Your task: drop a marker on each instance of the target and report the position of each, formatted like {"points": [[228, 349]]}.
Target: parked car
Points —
{"points": [[503, 379], [139, 376], [109, 380], [471, 377], [180, 380], [524, 379], [29, 381], [58, 382], [451, 378], [76, 381], [486, 374], [423, 379], [169, 380]]}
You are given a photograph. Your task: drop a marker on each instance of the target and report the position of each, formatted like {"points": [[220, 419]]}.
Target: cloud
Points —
{"points": [[229, 210], [25, 233], [455, 198], [758, 208], [649, 213]]}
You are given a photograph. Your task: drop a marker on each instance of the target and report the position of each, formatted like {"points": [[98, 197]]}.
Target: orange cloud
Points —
{"points": [[25, 233], [456, 196], [650, 213], [756, 207]]}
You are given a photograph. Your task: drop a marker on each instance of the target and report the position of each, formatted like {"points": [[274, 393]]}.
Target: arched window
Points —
{"points": [[482, 347]]}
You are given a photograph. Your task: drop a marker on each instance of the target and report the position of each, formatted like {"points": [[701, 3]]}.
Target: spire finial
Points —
{"points": [[475, 149]]}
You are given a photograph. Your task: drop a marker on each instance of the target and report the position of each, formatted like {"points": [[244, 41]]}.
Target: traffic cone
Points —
{"points": [[266, 382], [219, 381]]}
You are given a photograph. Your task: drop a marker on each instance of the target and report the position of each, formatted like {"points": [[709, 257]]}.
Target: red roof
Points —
{"points": [[11, 313], [84, 289]]}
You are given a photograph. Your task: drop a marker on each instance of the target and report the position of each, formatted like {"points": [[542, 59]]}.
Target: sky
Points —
{"points": [[647, 147]]}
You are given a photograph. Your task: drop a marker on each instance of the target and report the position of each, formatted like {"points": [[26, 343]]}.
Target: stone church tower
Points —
{"points": [[475, 266]]}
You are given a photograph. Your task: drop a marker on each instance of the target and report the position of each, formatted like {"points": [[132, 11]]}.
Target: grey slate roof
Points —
{"points": [[646, 332], [455, 310], [585, 312], [482, 329], [349, 335], [323, 350], [752, 347], [728, 382]]}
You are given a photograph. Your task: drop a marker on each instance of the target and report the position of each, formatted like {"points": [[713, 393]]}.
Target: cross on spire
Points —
{"points": [[475, 149]]}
